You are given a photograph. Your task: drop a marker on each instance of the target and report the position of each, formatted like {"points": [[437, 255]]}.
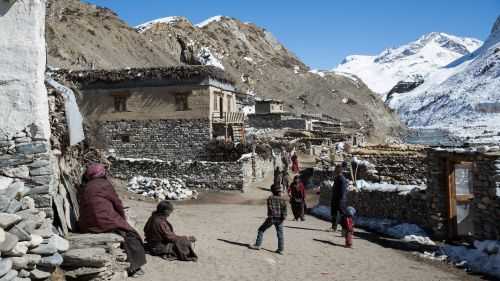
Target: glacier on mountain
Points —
{"points": [[421, 57]]}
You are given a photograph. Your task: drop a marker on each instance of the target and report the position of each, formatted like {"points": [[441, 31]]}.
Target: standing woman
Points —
{"points": [[295, 163], [297, 195]]}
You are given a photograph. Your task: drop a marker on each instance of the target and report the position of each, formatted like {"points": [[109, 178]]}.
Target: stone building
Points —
{"points": [[168, 113], [268, 106]]}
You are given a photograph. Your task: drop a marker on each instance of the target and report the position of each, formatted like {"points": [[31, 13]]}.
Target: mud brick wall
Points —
{"points": [[275, 121], [393, 164], [169, 140], [199, 175]]}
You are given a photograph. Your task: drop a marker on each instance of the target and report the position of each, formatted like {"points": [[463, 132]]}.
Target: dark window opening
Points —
{"points": [[120, 103], [181, 102], [125, 138]]}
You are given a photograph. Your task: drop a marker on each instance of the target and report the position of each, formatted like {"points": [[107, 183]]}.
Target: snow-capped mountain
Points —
{"points": [[419, 58], [463, 97]]}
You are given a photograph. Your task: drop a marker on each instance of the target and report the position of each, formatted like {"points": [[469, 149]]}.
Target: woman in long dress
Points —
{"points": [[297, 198], [295, 163]]}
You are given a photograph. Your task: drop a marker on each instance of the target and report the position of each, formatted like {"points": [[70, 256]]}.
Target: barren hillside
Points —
{"points": [[85, 36]]}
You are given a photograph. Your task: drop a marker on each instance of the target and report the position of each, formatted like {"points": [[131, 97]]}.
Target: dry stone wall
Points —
{"points": [[170, 140], [275, 121], [199, 175]]}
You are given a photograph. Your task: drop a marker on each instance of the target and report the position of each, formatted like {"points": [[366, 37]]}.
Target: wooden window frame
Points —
{"points": [[120, 101], [182, 102], [453, 198]]}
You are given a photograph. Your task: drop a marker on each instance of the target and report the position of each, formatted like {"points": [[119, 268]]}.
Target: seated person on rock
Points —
{"points": [[101, 211], [161, 239]]}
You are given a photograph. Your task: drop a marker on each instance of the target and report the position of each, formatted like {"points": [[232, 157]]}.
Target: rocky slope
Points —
{"points": [[252, 55], [410, 62], [467, 103], [80, 35]]}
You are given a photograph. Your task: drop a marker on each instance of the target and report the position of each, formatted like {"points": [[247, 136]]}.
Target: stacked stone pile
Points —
{"points": [[29, 245], [95, 257], [161, 189]]}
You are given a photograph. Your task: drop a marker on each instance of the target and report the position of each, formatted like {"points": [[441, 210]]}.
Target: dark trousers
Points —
{"points": [[279, 232], [336, 214], [298, 209], [136, 255]]}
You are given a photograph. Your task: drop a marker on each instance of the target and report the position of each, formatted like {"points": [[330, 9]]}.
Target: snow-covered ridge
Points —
{"points": [[167, 20], [421, 57], [209, 21]]}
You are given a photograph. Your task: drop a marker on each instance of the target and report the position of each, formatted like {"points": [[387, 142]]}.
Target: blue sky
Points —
{"points": [[323, 32]]}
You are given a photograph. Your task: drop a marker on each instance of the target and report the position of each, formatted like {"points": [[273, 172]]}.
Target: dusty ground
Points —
{"points": [[226, 223]]}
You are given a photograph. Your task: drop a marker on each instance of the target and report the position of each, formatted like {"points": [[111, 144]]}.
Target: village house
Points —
{"points": [[268, 106], [169, 113]]}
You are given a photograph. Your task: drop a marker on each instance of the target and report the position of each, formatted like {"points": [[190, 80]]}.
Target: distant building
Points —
{"points": [[167, 113], [268, 106]]}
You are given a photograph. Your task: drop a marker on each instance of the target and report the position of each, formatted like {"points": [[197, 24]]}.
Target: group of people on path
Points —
{"points": [[277, 207], [102, 211]]}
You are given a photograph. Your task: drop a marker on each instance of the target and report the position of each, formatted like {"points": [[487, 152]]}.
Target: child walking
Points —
{"points": [[276, 215], [348, 225]]}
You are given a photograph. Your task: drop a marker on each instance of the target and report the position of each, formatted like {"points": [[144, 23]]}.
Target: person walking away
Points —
{"points": [[285, 182], [295, 163], [297, 198], [339, 196], [101, 211], [161, 239], [348, 225], [277, 176], [276, 215], [284, 159]]}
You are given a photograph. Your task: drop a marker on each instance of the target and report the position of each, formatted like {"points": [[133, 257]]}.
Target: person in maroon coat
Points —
{"points": [[101, 211]]}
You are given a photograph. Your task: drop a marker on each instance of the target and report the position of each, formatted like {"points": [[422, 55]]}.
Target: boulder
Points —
{"points": [[45, 230], [44, 250], [23, 274], [79, 241], [14, 206], [33, 259], [38, 274], [5, 182], [90, 257], [61, 244], [19, 250], [7, 220], [27, 203], [9, 243], [21, 172], [21, 234], [16, 189], [51, 261], [5, 266], [4, 203], [9, 276], [2, 235], [83, 272], [35, 241]]}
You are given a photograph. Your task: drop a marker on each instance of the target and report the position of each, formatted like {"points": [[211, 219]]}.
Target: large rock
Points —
{"points": [[14, 206], [4, 203], [79, 241], [16, 190], [38, 274], [21, 234], [61, 244], [45, 230], [51, 261], [27, 203], [10, 276], [5, 266], [2, 235], [9, 243], [84, 272], [19, 250], [7, 220], [5, 183], [44, 250], [21, 172], [35, 241], [90, 257]]}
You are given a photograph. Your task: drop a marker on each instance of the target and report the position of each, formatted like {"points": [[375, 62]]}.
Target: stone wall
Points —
{"points": [[256, 168], [199, 175], [169, 140], [275, 121], [411, 207], [393, 164]]}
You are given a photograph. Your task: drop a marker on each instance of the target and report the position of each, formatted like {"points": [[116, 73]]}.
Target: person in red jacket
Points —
{"points": [[101, 211], [297, 194]]}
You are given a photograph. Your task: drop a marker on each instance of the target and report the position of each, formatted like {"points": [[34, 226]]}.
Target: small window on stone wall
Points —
{"points": [[181, 102], [120, 103], [125, 138]]}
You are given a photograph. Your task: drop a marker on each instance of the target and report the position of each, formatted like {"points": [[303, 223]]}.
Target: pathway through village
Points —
{"points": [[225, 224]]}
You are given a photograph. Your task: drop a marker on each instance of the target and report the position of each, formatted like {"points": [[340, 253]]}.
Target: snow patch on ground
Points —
{"points": [[206, 57], [209, 21], [317, 72], [161, 189], [168, 20], [404, 231], [387, 187]]}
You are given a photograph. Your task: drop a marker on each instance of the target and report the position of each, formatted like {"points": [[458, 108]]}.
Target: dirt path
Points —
{"points": [[224, 230]]}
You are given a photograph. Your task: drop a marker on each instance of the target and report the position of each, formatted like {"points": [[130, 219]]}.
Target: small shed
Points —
{"points": [[268, 106]]}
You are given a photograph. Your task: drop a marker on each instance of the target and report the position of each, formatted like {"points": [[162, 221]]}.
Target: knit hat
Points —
{"points": [[95, 170], [165, 208]]}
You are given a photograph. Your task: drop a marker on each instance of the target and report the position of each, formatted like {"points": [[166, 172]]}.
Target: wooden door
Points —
{"points": [[461, 196]]}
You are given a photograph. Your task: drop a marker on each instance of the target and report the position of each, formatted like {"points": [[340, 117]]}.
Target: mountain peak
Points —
{"points": [[166, 20], [211, 20]]}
